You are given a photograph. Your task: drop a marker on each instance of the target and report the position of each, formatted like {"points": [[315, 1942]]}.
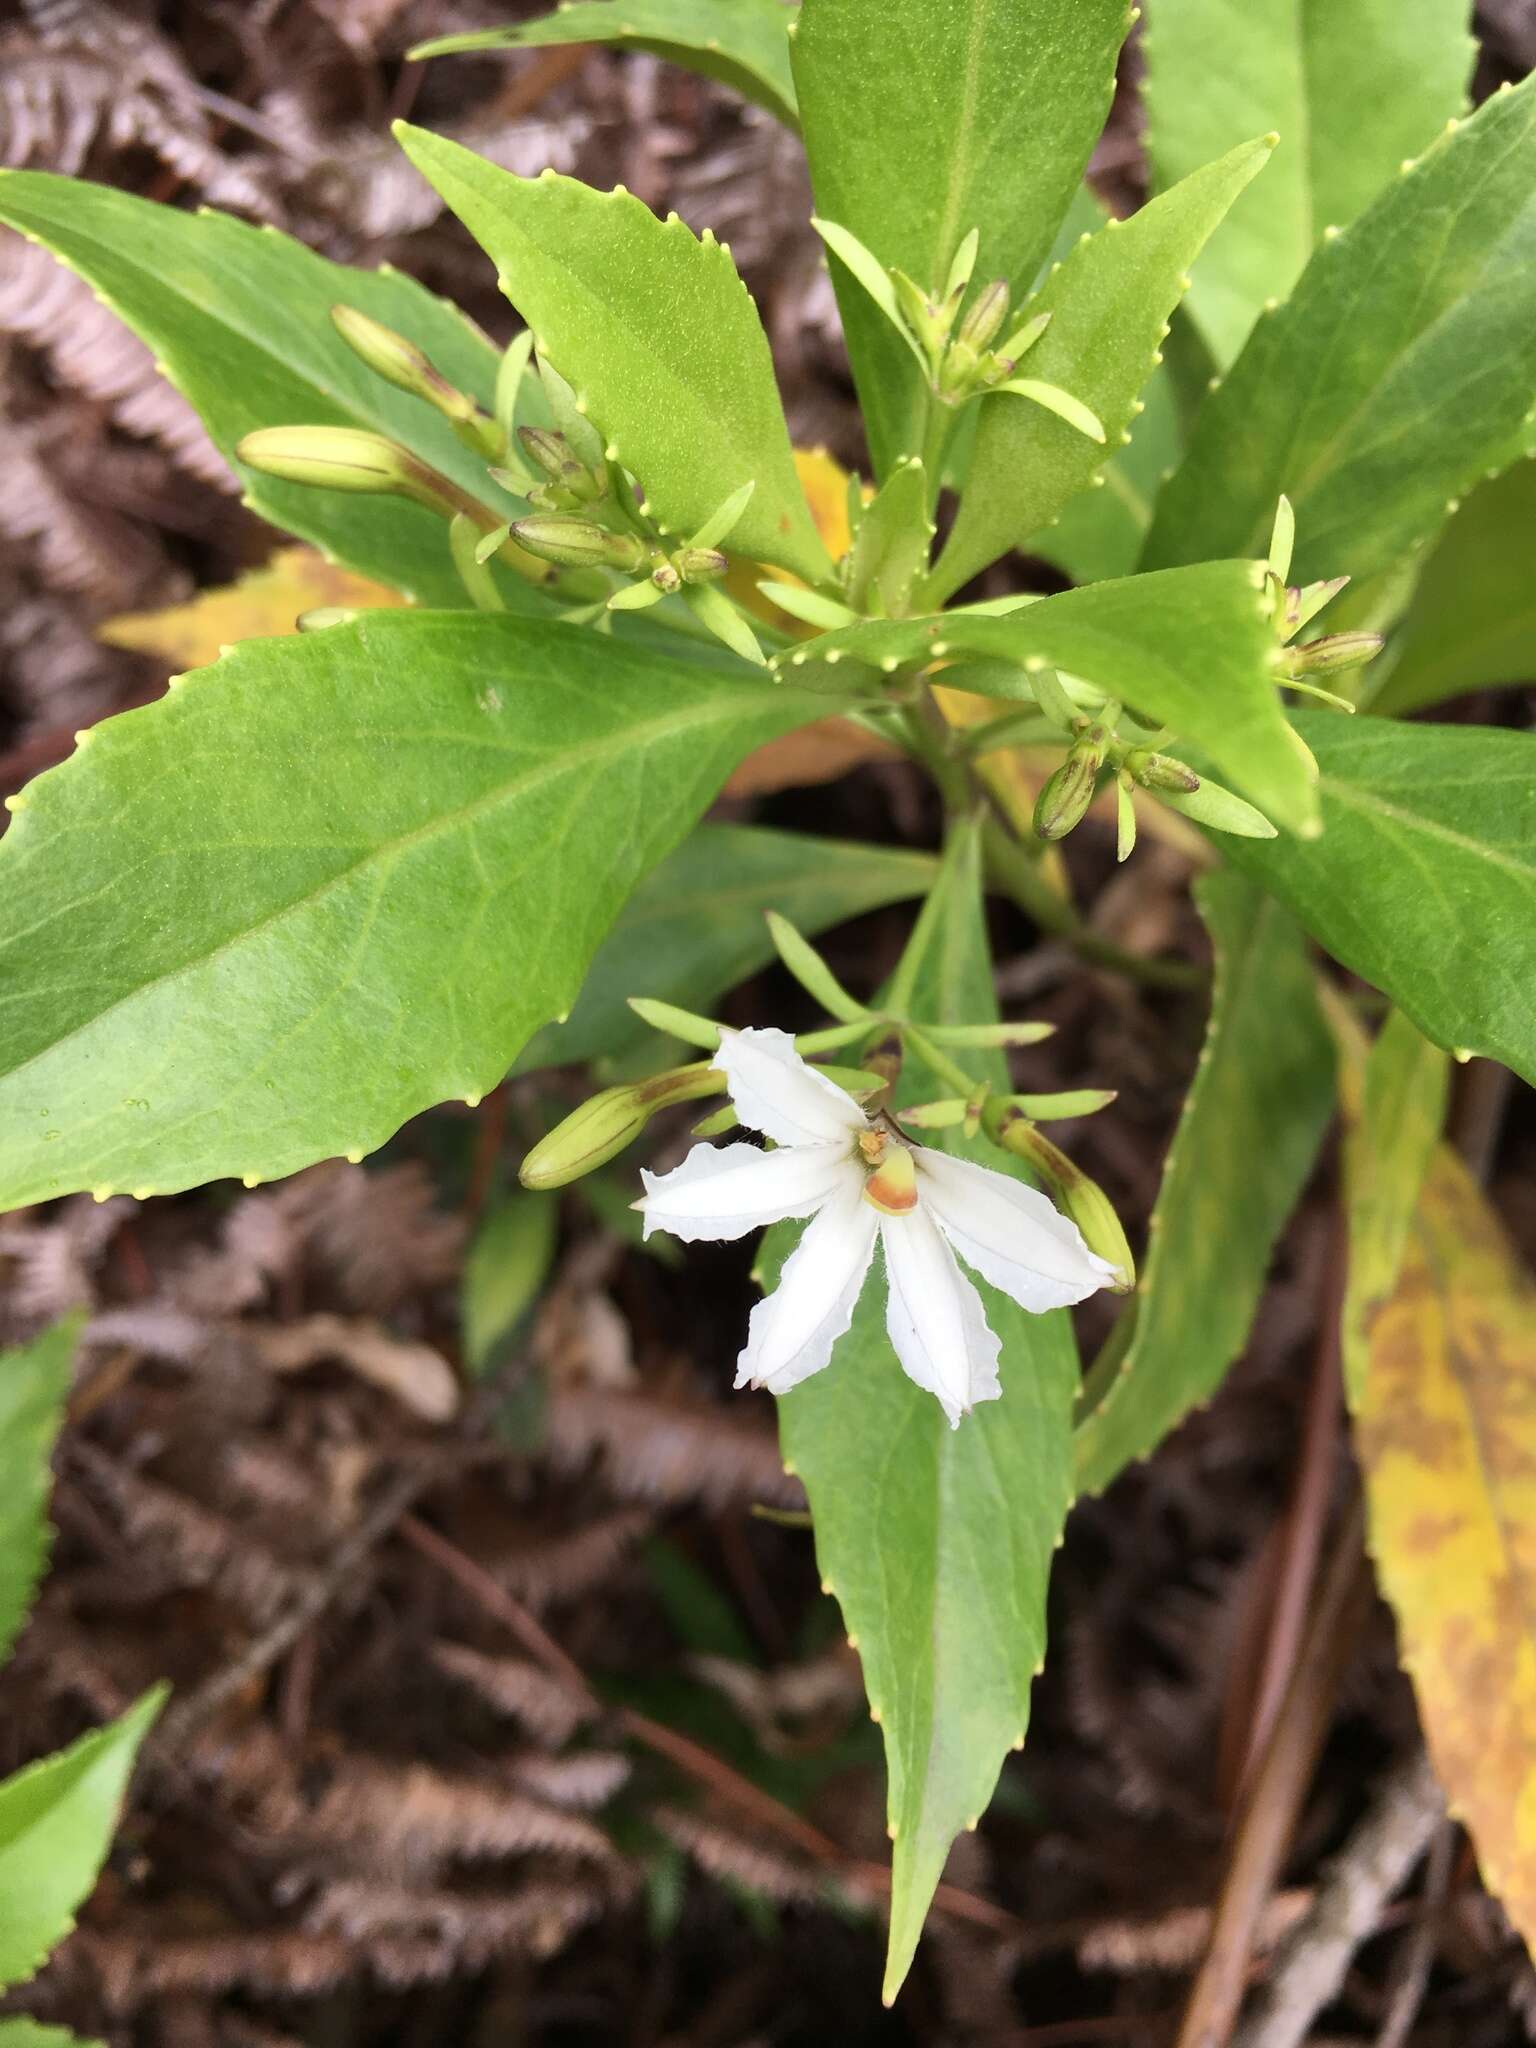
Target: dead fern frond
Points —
{"points": [[721, 1853], [416, 1375], [408, 1821], [650, 1449], [74, 546], [473, 1928], [89, 349], [381, 1234], [585, 1781], [287, 1962], [54, 1261], [195, 1546], [511, 1685], [550, 1570]]}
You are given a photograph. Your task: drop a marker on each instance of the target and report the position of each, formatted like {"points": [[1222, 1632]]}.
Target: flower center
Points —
{"points": [[891, 1184]]}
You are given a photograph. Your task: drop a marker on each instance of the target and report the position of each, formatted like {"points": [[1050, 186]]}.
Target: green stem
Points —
{"points": [[936, 430], [1018, 876]]}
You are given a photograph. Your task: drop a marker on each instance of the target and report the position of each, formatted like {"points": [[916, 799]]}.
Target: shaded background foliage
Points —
{"points": [[570, 1748]]}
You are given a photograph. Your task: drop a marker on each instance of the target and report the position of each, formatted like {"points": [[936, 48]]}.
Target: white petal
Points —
{"points": [[723, 1191], [935, 1317], [1010, 1233], [793, 1330], [775, 1092]]}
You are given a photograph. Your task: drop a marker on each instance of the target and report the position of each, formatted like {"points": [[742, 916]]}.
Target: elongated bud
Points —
{"points": [[601, 1128], [577, 543], [1074, 1192], [927, 322], [1160, 771], [935, 1116], [408, 368], [571, 482], [1069, 1102], [700, 565], [985, 316], [320, 616], [1335, 651], [349, 459], [1066, 796]]}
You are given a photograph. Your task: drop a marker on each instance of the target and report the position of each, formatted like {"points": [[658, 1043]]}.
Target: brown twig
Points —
{"points": [[1419, 1949], [691, 1757], [1300, 1540], [1278, 1786], [1312, 1960]]}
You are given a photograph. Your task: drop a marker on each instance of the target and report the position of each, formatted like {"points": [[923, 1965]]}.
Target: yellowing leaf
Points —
{"points": [[1442, 1372], [263, 603]]}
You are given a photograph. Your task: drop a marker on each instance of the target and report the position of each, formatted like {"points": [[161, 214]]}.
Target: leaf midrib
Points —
{"points": [[568, 761]]}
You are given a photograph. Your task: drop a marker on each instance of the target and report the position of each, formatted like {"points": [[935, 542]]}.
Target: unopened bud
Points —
{"points": [[935, 1116], [570, 480], [929, 323], [1160, 771], [666, 576], [987, 313], [408, 368], [577, 543], [1074, 1192], [1066, 796], [348, 459], [601, 1128], [1333, 652], [700, 565]]}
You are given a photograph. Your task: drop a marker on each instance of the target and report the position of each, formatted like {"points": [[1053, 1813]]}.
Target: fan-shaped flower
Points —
{"points": [[859, 1179]]}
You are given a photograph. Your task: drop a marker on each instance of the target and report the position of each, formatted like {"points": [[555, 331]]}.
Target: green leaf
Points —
{"points": [[1424, 881], [1109, 304], [924, 119], [34, 1380], [1249, 1132], [890, 548], [1394, 1097], [695, 926], [506, 1266], [1472, 620], [1398, 372], [331, 880], [938, 1542], [1190, 649], [745, 45], [1101, 532], [240, 320], [57, 1819], [21, 2033], [1351, 89], [657, 334]]}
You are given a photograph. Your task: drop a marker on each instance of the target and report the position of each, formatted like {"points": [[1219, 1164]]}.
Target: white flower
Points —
{"points": [[858, 1179]]}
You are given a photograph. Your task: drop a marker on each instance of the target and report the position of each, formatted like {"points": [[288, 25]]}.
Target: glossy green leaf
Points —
{"points": [[1424, 881], [57, 1819], [331, 880], [1472, 620], [744, 44], [695, 926], [1190, 649], [657, 334], [890, 547], [1351, 89], [239, 318], [1246, 1141], [1398, 372], [938, 1542], [1101, 532], [33, 1383], [1109, 304], [507, 1264], [924, 119]]}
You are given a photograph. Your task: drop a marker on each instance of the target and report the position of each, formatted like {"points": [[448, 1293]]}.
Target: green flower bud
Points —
{"points": [[987, 313], [571, 482], [601, 1128], [1160, 771], [403, 364], [1074, 1192], [349, 459], [666, 576], [1066, 796], [700, 565], [577, 543], [1333, 652]]}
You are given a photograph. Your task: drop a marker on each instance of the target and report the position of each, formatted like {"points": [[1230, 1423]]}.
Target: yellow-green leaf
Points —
{"points": [[260, 604], [1442, 1362]]}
